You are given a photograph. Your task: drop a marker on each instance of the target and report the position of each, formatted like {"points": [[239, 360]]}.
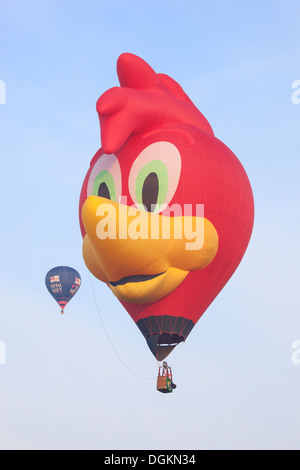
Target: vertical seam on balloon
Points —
{"points": [[149, 325], [161, 324], [158, 327], [172, 325], [180, 325], [183, 327]]}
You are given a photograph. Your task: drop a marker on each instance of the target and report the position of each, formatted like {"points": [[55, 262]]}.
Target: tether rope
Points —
{"points": [[109, 340]]}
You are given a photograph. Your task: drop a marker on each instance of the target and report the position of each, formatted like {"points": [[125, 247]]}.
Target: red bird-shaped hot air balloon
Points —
{"points": [[166, 209]]}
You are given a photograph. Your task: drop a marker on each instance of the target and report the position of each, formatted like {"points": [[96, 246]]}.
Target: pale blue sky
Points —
{"points": [[64, 386]]}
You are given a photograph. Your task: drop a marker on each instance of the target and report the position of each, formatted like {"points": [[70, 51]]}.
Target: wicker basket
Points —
{"points": [[164, 384]]}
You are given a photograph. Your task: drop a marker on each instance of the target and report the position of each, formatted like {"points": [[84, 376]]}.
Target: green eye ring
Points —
{"points": [[154, 176], [104, 185], [151, 186]]}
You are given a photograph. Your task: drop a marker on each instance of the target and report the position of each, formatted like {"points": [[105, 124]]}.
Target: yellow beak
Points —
{"points": [[141, 255]]}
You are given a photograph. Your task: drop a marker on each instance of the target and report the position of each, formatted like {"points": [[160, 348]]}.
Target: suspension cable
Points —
{"points": [[109, 340]]}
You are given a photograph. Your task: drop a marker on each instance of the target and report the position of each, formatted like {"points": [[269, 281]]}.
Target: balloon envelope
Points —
{"points": [[63, 283], [161, 166]]}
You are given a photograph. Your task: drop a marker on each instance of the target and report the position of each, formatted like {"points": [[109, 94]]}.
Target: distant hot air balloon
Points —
{"points": [[159, 163], [63, 282]]}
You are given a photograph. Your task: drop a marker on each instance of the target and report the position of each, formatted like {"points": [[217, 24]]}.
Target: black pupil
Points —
{"points": [[103, 191], [150, 192]]}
